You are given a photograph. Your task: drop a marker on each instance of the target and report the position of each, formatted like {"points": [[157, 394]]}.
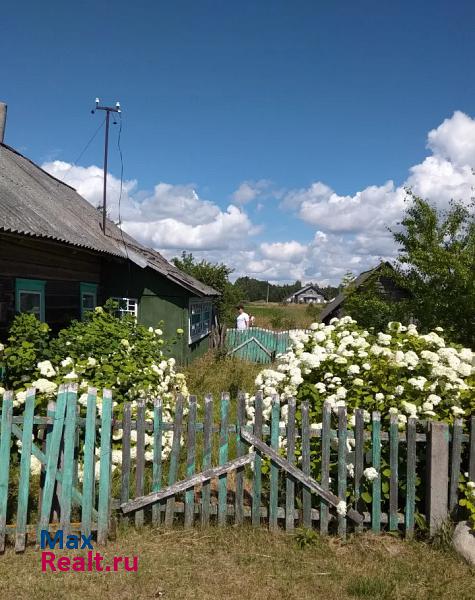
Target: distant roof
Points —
{"points": [[34, 203], [308, 287], [362, 277]]}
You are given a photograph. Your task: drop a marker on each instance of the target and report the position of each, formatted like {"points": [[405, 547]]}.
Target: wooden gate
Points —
{"points": [[62, 441], [257, 344]]}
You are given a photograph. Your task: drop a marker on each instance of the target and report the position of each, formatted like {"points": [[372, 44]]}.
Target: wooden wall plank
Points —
{"points": [[359, 459], [376, 463], [342, 461], [257, 479], [305, 439], [240, 450], [68, 458], [325, 468], [393, 478], [140, 459], [125, 475], [223, 457], [410, 477]]}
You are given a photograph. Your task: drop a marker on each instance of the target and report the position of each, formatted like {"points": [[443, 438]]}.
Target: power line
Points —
{"points": [[89, 142]]}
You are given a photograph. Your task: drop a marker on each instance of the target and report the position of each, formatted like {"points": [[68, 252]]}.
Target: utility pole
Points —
{"points": [[108, 110]]}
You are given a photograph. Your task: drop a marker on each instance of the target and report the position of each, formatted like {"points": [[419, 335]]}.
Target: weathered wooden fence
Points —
{"points": [[257, 344], [226, 471]]}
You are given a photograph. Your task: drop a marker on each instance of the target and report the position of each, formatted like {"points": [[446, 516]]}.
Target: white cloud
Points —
{"points": [[172, 216], [250, 190], [351, 231]]}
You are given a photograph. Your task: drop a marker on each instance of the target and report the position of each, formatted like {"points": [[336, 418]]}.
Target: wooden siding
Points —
{"points": [[63, 268]]}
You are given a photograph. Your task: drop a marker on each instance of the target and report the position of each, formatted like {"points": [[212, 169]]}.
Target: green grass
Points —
{"points": [[235, 563], [281, 317]]}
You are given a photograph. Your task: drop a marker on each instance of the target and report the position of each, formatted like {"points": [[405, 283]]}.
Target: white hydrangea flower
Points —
{"points": [[341, 508], [46, 368], [370, 473]]}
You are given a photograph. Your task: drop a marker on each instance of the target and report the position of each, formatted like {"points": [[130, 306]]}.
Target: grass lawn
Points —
{"points": [[236, 563], [279, 316]]}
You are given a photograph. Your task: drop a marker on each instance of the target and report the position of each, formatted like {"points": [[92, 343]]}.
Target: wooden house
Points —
{"points": [[309, 294], [379, 275], [58, 263]]}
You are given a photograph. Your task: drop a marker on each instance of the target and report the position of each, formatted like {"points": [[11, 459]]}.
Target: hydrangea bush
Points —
{"points": [[103, 351], [399, 371]]}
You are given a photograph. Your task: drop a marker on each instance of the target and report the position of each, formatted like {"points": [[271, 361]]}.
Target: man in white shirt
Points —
{"points": [[242, 321]]}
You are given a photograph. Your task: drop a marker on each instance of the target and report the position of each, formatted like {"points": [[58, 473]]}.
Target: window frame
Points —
{"points": [[32, 286], [203, 304], [122, 311], [89, 289]]}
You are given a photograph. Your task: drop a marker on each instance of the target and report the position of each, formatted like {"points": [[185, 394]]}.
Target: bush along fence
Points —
{"points": [[257, 344], [277, 474]]}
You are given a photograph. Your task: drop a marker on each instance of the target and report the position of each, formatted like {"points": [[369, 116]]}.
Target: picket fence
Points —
{"points": [[252, 479]]}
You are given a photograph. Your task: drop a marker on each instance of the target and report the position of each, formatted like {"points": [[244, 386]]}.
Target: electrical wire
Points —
{"points": [[89, 142]]}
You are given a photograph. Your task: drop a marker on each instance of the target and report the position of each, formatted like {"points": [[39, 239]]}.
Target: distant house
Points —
{"points": [[56, 262], [379, 275], [309, 294]]}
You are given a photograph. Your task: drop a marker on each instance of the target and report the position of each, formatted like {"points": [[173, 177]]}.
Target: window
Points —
{"points": [[127, 306], [200, 319], [30, 297], [88, 292]]}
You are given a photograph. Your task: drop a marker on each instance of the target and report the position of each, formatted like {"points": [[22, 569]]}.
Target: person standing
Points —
{"points": [[242, 320]]}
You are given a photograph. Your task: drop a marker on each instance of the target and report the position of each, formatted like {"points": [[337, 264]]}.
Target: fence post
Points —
{"points": [[437, 474]]}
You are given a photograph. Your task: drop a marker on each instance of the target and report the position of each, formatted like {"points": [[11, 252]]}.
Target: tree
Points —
{"points": [[436, 267], [436, 263], [348, 278], [216, 276]]}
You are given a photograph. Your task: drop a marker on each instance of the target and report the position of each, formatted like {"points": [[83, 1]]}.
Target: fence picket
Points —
{"points": [[410, 477], [105, 468], [88, 469], [240, 450], [157, 456], [306, 493], [52, 450], [125, 479], [174, 458], [140, 459], [455, 461], [342, 471], [359, 459], [223, 458], [274, 469], [257, 480], [289, 480], [207, 436], [68, 458], [376, 462], [24, 484], [5, 437], [190, 462], [325, 474], [393, 467], [471, 460]]}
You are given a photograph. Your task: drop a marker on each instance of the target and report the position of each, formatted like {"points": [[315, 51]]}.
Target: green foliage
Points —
{"points": [[437, 266], [103, 351], [27, 344], [306, 538], [467, 489], [216, 276], [254, 289], [372, 309]]}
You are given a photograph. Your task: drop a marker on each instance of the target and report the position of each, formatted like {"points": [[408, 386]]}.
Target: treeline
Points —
{"points": [[254, 289]]}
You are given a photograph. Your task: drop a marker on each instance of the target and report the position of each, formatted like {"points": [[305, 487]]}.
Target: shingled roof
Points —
{"points": [[36, 204]]}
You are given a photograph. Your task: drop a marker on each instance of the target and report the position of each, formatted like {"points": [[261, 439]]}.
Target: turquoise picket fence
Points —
{"points": [[257, 344]]}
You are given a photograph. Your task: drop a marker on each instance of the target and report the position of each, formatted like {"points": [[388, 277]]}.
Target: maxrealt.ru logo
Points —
{"points": [[86, 562]]}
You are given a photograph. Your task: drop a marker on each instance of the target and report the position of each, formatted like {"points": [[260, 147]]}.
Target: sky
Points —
{"points": [[275, 136]]}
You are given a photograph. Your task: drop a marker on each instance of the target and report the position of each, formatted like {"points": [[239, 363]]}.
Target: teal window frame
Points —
{"points": [[36, 286], [91, 290], [199, 319]]}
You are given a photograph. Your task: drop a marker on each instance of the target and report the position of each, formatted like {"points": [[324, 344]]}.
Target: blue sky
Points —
{"points": [[275, 95]]}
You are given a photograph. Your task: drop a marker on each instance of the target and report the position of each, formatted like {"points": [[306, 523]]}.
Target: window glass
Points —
{"points": [[200, 319], [127, 306], [88, 301], [30, 302]]}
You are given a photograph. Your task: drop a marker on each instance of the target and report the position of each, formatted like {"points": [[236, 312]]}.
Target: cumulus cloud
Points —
{"points": [[350, 231], [171, 216]]}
